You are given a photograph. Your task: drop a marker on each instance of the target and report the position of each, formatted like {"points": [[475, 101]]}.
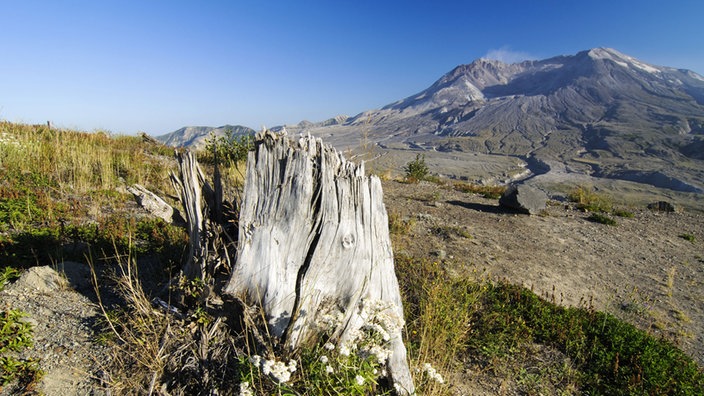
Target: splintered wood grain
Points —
{"points": [[313, 239]]}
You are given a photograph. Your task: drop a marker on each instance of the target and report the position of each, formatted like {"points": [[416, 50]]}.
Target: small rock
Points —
{"points": [[662, 206]]}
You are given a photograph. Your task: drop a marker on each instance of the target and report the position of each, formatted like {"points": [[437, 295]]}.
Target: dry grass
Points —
{"points": [[49, 175]]}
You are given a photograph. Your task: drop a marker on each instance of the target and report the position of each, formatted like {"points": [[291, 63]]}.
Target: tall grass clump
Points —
{"points": [[47, 174], [590, 201]]}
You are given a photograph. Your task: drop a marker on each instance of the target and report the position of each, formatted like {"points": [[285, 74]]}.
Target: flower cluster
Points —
{"points": [[383, 315], [432, 373], [245, 389], [279, 371]]}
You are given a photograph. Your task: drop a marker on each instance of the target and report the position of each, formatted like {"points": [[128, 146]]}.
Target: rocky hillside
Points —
{"points": [[195, 136], [599, 112]]}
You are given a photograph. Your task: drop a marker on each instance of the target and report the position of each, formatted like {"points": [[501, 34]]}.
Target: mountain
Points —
{"points": [[599, 112], [195, 136]]}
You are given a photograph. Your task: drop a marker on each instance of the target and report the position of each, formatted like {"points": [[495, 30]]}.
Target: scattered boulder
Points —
{"points": [[524, 199], [662, 206]]}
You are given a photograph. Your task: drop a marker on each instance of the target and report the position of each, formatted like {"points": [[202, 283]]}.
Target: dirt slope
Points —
{"points": [[640, 270]]}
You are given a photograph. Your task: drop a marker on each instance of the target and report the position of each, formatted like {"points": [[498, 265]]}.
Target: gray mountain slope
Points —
{"points": [[195, 136], [598, 112]]}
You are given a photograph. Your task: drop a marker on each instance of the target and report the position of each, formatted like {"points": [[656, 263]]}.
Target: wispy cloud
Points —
{"points": [[507, 55]]}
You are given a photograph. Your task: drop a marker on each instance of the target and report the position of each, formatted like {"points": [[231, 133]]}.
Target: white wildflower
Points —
{"points": [[330, 321], [329, 369], [279, 370], [255, 360], [267, 366], [380, 353], [359, 379], [432, 373], [323, 359], [245, 390], [329, 346], [344, 350], [292, 365]]}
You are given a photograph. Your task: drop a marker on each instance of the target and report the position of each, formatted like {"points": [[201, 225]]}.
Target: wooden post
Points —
{"points": [[314, 239]]}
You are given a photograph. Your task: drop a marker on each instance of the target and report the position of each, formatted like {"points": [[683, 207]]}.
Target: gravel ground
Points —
{"points": [[641, 270]]}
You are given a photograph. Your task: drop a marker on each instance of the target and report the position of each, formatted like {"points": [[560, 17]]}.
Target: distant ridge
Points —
{"points": [[599, 112], [195, 136]]}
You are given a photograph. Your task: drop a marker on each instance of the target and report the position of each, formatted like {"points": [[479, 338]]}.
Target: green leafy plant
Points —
{"points": [[417, 170], [227, 149], [7, 274], [16, 335]]}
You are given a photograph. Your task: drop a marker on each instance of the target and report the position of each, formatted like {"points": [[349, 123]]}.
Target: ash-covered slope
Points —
{"points": [[599, 112]]}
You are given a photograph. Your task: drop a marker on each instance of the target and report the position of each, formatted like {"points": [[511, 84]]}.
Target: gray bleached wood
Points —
{"points": [[202, 207], [314, 239], [152, 203]]}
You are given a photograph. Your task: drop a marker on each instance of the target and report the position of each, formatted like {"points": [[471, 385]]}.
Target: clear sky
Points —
{"points": [[155, 66]]}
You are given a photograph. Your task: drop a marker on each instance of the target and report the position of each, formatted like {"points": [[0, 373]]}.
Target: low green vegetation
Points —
{"points": [[583, 351], [688, 237], [491, 192], [590, 201], [15, 335], [601, 219], [609, 355], [599, 205]]}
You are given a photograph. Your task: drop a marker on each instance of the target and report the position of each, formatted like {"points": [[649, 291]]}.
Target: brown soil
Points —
{"points": [[642, 270]]}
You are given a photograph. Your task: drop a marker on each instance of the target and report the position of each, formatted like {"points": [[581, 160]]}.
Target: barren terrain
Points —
{"points": [[641, 270]]}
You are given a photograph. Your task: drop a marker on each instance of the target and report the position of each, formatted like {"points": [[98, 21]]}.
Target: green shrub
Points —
{"points": [[228, 149], [417, 170], [612, 356], [688, 237], [601, 219]]}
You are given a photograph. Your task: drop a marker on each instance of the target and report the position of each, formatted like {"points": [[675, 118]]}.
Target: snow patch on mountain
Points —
{"points": [[622, 59]]}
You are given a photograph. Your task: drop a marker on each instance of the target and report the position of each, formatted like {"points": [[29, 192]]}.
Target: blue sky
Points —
{"points": [[155, 66]]}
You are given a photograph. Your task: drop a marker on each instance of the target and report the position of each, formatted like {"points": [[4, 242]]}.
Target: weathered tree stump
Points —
{"points": [[202, 207], [313, 239]]}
